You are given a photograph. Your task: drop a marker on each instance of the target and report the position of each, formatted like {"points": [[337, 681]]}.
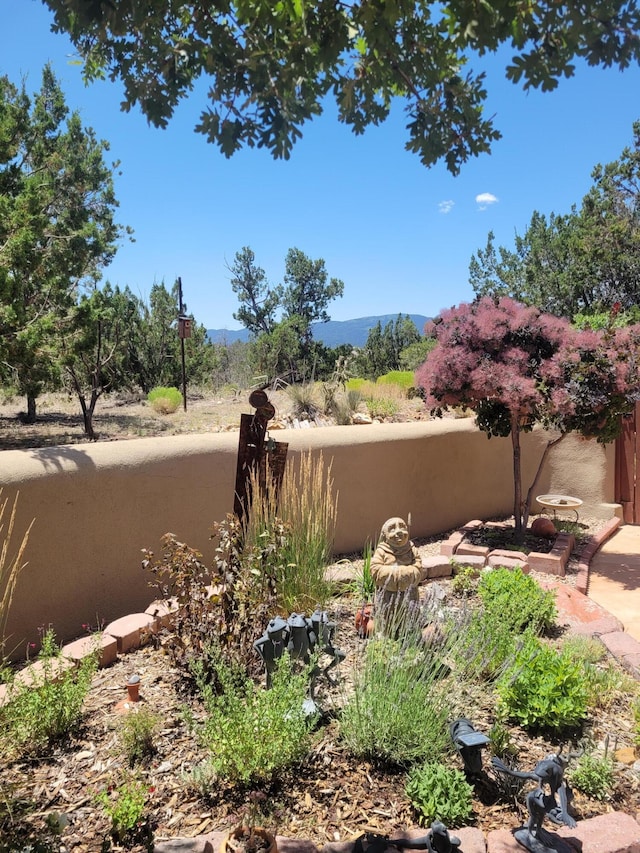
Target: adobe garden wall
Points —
{"points": [[96, 506]]}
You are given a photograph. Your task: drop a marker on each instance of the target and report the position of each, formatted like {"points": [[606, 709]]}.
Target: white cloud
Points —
{"points": [[446, 206], [483, 200]]}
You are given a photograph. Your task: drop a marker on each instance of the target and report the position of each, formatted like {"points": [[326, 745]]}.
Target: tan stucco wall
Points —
{"points": [[96, 506]]}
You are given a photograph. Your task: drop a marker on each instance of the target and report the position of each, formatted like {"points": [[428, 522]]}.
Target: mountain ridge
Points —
{"points": [[332, 334]]}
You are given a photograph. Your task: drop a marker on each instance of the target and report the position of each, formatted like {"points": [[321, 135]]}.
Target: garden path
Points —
{"points": [[614, 577]]}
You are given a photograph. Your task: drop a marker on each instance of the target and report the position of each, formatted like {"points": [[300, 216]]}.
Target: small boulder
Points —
{"points": [[544, 527]]}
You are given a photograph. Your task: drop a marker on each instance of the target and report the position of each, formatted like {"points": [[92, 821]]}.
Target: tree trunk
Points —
{"points": [[31, 409], [87, 413], [517, 480], [527, 505], [87, 418]]}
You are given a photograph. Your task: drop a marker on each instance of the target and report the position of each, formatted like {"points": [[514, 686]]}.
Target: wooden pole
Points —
{"points": [[184, 369]]}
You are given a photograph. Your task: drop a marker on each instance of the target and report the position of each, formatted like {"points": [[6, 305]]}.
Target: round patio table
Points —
{"points": [[560, 503]]}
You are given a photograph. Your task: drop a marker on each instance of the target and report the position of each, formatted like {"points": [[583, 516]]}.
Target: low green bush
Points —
{"points": [[137, 733], [254, 734], [516, 599], [397, 710], [440, 793], [485, 644], [49, 707], [594, 775], [464, 580], [544, 689], [164, 401], [125, 807], [382, 407]]}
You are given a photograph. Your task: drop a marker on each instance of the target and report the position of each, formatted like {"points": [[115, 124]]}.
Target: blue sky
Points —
{"points": [[399, 235]]}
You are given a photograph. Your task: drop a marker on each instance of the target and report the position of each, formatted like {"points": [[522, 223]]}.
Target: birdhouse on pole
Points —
{"points": [[184, 326]]}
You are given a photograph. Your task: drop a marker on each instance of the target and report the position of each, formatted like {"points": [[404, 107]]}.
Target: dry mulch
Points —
{"points": [[332, 797]]}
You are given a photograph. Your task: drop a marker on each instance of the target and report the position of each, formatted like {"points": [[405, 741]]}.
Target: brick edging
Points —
{"points": [[594, 543]]}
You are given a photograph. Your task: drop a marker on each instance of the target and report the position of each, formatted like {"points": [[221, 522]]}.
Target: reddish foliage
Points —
{"points": [[513, 363]]}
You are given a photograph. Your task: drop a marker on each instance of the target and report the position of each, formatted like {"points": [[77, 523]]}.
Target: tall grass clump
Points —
{"points": [[382, 400], [305, 511], [304, 400], [363, 585], [164, 401], [10, 567], [397, 712]]}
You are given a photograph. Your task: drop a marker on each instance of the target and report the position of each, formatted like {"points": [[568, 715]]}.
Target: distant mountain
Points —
{"points": [[332, 334]]}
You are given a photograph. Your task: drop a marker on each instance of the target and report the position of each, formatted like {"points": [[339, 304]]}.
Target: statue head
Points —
{"points": [[395, 533]]}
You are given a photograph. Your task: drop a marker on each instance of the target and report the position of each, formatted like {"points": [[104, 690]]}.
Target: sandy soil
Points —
{"points": [[122, 416]]}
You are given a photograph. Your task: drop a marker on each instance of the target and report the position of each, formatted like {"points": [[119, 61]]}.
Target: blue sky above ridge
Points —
{"points": [[400, 236]]}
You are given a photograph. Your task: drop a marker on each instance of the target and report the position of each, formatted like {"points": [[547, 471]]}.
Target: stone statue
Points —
{"points": [[549, 774], [396, 565]]}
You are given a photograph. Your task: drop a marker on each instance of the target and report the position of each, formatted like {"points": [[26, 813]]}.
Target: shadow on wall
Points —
{"points": [[96, 509]]}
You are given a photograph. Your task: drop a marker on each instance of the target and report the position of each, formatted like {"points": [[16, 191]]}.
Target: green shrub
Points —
{"points": [[516, 599], [404, 379], [254, 734], [125, 807], [440, 793], [588, 649], [165, 401], [485, 644], [464, 580], [500, 741], [382, 407], [356, 383], [49, 707], [304, 400], [594, 775], [544, 688], [136, 734], [397, 711]]}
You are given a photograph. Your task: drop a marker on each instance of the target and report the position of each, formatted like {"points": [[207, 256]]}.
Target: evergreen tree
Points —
{"points": [[57, 228]]}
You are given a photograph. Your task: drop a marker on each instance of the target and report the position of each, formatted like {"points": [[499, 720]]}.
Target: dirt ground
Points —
{"points": [[332, 796], [128, 416]]}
